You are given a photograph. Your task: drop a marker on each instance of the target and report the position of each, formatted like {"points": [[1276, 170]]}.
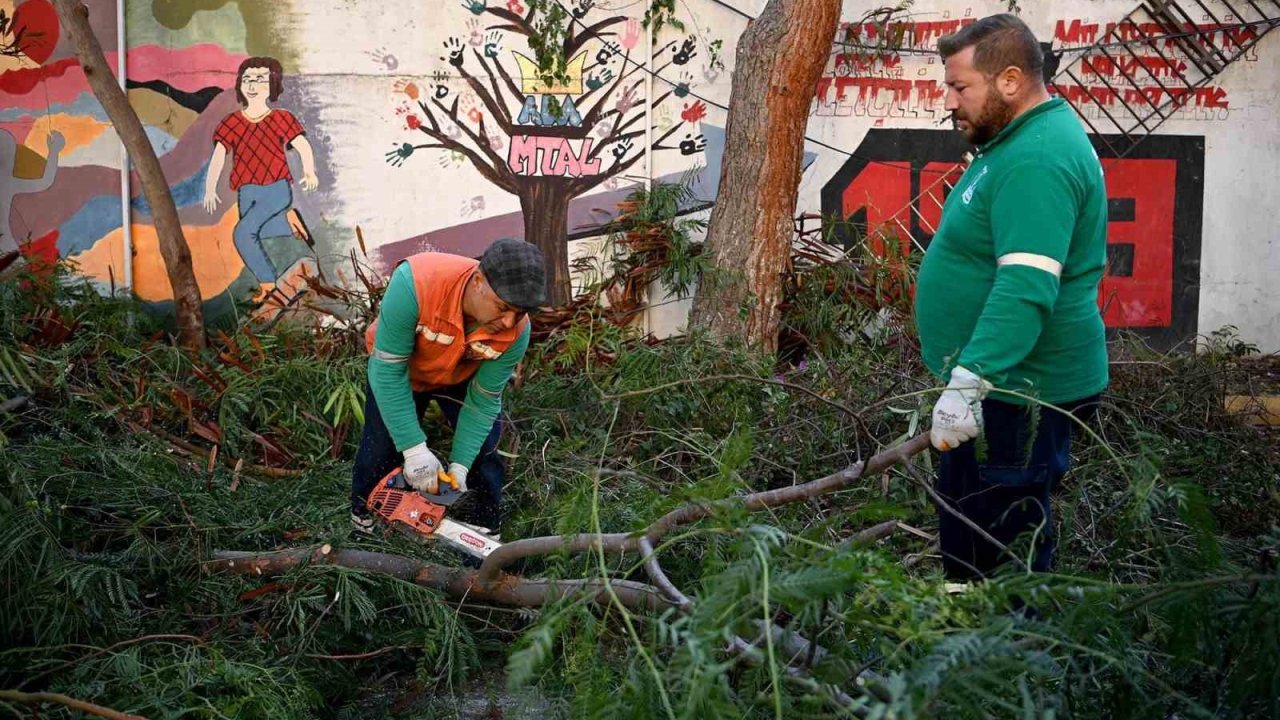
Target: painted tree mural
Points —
{"points": [[561, 139]]}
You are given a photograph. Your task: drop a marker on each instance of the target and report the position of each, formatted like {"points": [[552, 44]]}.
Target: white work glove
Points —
{"points": [[957, 416], [421, 467], [459, 474]]}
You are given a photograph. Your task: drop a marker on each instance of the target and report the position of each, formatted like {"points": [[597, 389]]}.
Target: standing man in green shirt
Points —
{"points": [[450, 329], [1006, 303]]}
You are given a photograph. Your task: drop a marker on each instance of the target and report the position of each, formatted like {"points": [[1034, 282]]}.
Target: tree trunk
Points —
{"points": [[545, 204], [74, 17], [779, 60]]}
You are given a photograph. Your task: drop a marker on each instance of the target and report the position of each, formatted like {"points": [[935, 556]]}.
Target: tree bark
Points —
{"points": [[188, 305], [779, 60], [544, 202], [457, 583]]}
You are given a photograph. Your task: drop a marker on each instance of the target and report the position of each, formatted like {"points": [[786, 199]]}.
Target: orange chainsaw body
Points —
{"points": [[393, 501]]}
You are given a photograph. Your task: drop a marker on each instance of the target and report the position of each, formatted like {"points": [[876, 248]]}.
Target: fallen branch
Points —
{"points": [[41, 698], [692, 512], [454, 582]]}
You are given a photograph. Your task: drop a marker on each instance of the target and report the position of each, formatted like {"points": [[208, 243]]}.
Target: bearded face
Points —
{"points": [[991, 117]]}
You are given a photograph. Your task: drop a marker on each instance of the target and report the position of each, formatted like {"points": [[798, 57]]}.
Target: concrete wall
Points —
{"points": [[1195, 243]]}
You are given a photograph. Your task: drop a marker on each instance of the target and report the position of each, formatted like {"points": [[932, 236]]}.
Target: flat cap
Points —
{"points": [[516, 272]]}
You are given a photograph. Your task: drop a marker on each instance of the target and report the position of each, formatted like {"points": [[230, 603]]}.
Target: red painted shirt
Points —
{"points": [[257, 148]]}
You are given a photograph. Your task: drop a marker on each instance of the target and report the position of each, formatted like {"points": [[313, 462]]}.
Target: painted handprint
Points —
{"points": [[710, 72], [406, 87], [694, 113], [598, 80], [454, 47], [399, 155], [383, 57], [492, 44], [477, 7], [662, 119], [621, 149], [688, 50], [626, 101], [473, 206], [682, 88], [693, 145], [630, 33], [475, 30], [515, 7], [606, 53], [442, 84], [581, 8]]}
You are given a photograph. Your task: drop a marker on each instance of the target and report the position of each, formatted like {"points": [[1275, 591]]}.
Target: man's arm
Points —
{"points": [[484, 401], [1033, 216], [389, 363]]}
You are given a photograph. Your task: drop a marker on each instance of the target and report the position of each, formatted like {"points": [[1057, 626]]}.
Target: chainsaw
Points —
{"points": [[421, 515]]}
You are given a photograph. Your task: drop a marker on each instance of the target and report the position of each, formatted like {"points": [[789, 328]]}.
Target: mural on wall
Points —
{"points": [[29, 155], [547, 143], [1153, 243], [862, 80], [270, 234], [186, 82]]}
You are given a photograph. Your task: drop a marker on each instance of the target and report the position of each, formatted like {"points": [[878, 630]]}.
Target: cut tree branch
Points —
{"points": [[455, 582], [40, 698], [695, 511]]}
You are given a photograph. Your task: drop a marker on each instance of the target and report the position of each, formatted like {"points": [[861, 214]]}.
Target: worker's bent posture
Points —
{"points": [[450, 329], [1007, 299]]}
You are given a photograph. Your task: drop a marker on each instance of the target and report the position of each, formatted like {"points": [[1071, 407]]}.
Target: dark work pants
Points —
{"points": [[1005, 487], [378, 456]]}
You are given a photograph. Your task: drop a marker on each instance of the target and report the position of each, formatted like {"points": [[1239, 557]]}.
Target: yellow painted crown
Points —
{"points": [[531, 83]]}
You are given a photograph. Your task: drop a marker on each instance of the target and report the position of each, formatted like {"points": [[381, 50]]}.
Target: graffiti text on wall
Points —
{"points": [[1155, 197], [862, 82]]}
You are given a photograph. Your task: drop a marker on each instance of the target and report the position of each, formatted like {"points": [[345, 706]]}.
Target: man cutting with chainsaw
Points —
{"points": [[450, 329], [1007, 298]]}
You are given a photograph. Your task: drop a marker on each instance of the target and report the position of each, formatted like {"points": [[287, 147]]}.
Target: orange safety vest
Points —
{"points": [[443, 354]]}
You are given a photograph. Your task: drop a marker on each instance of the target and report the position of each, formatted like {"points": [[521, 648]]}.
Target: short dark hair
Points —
{"points": [[276, 74], [998, 42]]}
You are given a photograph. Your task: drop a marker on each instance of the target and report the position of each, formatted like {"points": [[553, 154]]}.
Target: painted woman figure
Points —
{"points": [[257, 137]]}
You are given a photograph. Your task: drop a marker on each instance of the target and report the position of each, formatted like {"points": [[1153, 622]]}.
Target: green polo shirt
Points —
{"points": [[397, 326], [1009, 286]]}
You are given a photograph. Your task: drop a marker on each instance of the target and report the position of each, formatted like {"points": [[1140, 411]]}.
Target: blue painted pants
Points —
{"points": [[262, 214], [1007, 490], [378, 456]]}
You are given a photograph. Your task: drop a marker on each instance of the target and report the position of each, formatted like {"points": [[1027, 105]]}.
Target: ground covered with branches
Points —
{"points": [[128, 465]]}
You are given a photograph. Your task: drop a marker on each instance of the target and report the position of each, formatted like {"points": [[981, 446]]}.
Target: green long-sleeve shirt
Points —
{"points": [[1009, 286], [389, 379]]}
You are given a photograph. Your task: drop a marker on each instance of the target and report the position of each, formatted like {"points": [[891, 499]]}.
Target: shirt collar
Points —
{"points": [[1044, 107]]}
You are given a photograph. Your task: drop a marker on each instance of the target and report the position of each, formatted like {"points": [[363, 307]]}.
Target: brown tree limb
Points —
{"points": [[41, 698], [505, 589], [364, 655], [694, 511], [188, 302]]}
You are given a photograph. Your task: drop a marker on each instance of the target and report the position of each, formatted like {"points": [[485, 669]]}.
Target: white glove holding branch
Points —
{"points": [[459, 474], [421, 467], [957, 416]]}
